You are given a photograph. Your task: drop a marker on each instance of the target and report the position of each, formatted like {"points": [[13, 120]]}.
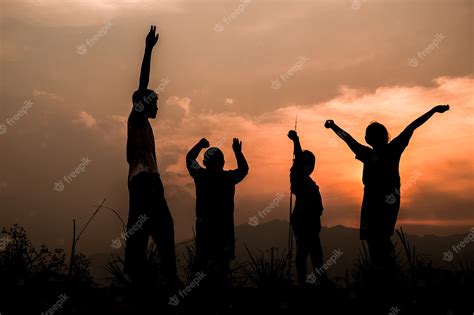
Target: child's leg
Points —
{"points": [[162, 231], [223, 273], [136, 241], [302, 252], [316, 253], [381, 251], [388, 252], [375, 250], [135, 250], [382, 255]]}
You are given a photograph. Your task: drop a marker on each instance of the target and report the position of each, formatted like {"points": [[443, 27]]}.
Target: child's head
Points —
{"points": [[309, 160], [376, 135], [214, 159], [145, 101]]}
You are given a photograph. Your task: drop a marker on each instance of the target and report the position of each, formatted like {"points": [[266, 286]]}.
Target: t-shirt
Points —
{"points": [[141, 155], [381, 166], [308, 204], [215, 208]]}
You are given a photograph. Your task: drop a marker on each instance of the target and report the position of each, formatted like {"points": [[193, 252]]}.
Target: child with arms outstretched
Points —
{"points": [[381, 179], [215, 190]]}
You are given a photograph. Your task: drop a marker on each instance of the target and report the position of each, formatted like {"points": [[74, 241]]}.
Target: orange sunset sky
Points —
{"points": [[227, 69]]}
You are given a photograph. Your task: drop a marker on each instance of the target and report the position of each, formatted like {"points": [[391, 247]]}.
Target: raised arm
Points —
{"points": [[351, 142], [242, 166], [402, 140], [192, 155], [151, 40], [296, 143], [424, 118]]}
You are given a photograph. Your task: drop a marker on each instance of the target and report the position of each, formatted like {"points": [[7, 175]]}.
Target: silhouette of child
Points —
{"points": [[215, 190], [306, 216], [146, 192], [381, 179]]}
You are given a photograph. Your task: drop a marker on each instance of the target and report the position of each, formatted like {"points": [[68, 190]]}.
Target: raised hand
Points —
{"points": [[441, 108], [203, 143], [237, 145], [151, 38], [293, 135], [329, 124], [150, 42]]}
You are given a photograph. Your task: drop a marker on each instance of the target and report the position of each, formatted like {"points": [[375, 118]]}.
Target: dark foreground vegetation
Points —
{"points": [[40, 281]]}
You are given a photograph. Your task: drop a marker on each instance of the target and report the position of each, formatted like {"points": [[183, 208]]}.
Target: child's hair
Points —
{"points": [[143, 99], [376, 134], [214, 159], [309, 160]]}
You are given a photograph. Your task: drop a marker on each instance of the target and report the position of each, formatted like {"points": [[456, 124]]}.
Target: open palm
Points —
{"points": [[151, 38]]}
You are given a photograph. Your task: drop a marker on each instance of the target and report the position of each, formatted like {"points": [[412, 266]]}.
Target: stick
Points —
{"points": [[290, 234], [73, 248]]}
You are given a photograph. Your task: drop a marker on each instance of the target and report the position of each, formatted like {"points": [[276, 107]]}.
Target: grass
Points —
{"points": [[267, 269], [23, 267]]}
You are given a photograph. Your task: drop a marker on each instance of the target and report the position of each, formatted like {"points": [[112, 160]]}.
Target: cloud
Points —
{"points": [[356, 72], [183, 103], [432, 150], [229, 101], [86, 119], [439, 150]]}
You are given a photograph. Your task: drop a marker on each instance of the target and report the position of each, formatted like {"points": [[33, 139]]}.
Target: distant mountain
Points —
{"points": [[274, 234]]}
